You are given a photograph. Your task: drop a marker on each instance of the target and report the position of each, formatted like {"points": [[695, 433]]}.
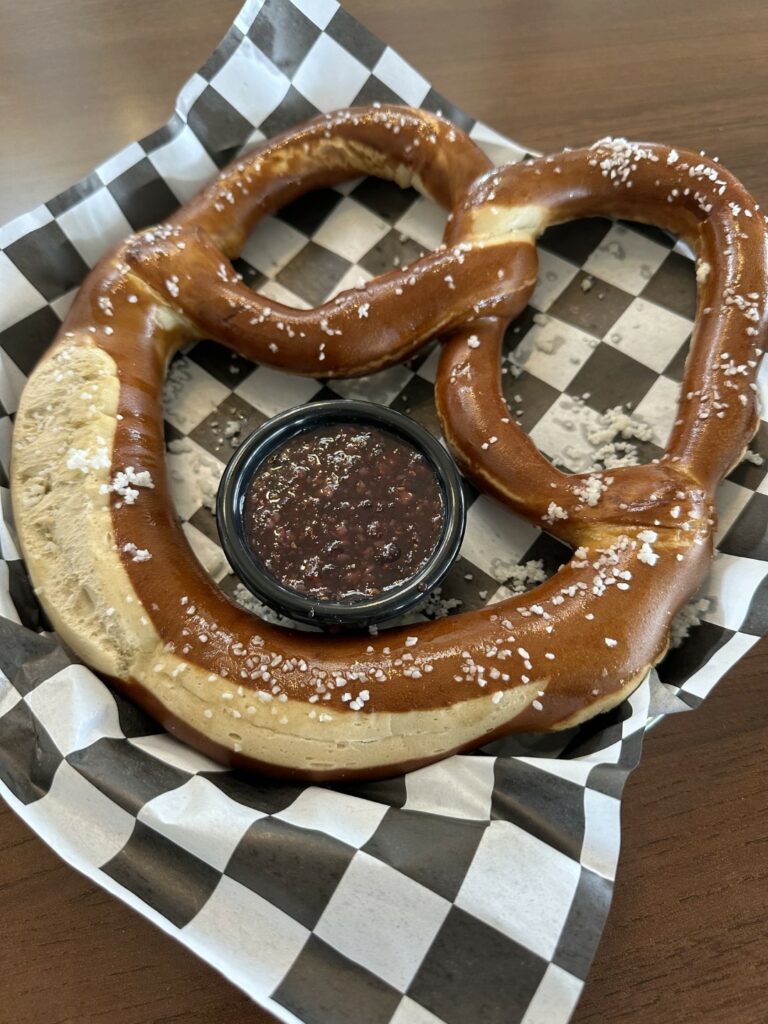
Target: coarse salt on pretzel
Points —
{"points": [[121, 585]]}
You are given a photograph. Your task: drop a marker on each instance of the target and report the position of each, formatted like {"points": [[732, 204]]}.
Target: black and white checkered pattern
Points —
{"points": [[474, 890]]}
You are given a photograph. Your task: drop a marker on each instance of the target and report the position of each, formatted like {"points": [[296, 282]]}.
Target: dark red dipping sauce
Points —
{"points": [[344, 512]]}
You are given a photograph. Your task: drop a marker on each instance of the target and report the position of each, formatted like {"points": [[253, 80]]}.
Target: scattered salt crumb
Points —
{"points": [[611, 438], [591, 490], [85, 460], [616, 422], [702, 271], [554, 512], [647, 555], [194, 473], [437, 606], [137, 554], [125, 483], [519, 578], [754, 457], [689, 616]]}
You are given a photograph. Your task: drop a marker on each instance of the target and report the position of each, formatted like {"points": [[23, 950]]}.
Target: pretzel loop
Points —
{"points": [[121, 585]]}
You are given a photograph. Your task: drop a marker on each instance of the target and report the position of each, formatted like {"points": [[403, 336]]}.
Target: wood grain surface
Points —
{"points": [[686, 937]]}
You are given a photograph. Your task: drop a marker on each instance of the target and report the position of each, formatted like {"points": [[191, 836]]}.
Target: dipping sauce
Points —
{"points": [[344, 512]]}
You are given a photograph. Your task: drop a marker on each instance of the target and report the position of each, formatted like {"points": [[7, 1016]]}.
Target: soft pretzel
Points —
{"points": [[121, 585]]}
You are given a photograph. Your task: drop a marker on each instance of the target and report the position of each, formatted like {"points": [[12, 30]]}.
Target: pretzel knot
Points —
{"points": [[121, 585]]}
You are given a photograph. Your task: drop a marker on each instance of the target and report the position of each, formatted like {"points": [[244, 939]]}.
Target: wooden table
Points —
{"points": [[686, 938]]}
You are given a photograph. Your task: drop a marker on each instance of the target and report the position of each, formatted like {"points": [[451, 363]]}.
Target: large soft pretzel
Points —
{"points": [[122, 587]]}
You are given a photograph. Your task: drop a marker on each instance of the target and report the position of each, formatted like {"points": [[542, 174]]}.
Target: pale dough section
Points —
{"points": [[62, 457], [499, 224]]}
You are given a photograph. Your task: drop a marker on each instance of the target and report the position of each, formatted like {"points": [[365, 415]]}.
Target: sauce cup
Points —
{"points": [[403, 597]]}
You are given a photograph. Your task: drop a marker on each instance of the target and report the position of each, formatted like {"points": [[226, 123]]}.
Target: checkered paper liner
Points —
{"points": [[474, 890]]}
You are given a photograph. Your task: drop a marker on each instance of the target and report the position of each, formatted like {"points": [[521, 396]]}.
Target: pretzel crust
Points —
{"points": [[118, 580]]}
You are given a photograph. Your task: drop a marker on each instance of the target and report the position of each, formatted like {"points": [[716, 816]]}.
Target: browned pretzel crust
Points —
{"points": [[123, 588]]}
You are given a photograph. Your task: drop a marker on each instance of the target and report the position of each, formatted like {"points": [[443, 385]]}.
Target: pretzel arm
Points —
{"points": [[409, 147], [358, 331], [687, 194]]}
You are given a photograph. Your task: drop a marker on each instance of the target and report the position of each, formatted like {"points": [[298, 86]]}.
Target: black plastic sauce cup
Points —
{"points": [[271, 436]]}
